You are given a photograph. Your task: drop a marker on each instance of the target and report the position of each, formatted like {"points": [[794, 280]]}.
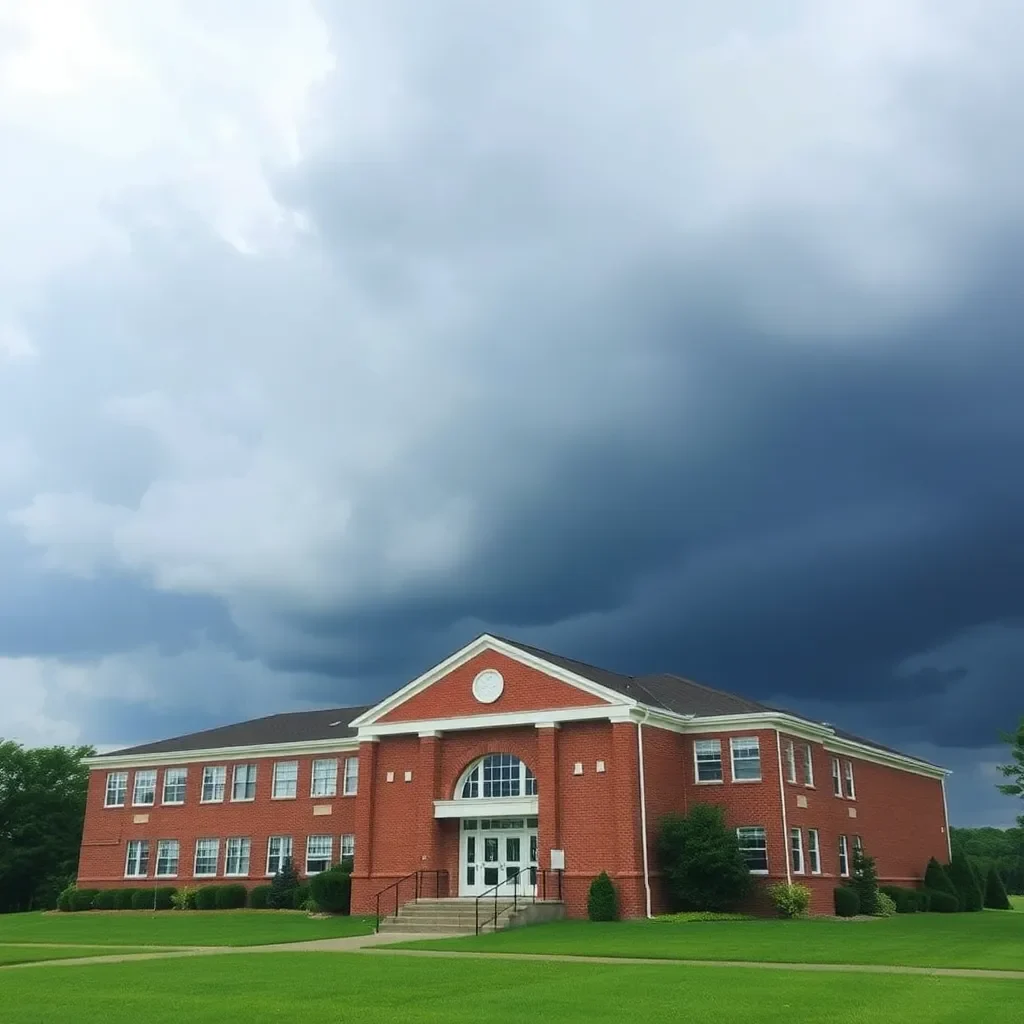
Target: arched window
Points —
{"points": [[497, 775]]}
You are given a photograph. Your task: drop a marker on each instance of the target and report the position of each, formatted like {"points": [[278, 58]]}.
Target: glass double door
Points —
{"points": [[498, 852]]}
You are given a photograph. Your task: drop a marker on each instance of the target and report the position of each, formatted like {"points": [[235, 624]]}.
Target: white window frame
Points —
{"points": [[837, 778], [209, 773], [277, 781], [330, 853], [764, 836], [196, 873], [324, 786], [858, 845], [350, 777], [281, 855], [520, 782], [808, 766], [161, 845], [122, 789], [245, 766], [709, 745], [849, 788], [184, 787], [814, 851], [235, 847], [790, 759], [844, 857], [796, 851], [348, 846], [139, 846], [745, 742], [145, 773]]}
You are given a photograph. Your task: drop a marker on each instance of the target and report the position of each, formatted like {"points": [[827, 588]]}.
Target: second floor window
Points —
{"points": [[851, 792], [708, 759], [243, 782], [837, 779], [790, 761], [808, 765], [117, 789], [174, 785], [213, 784], [351, 784], [144, 794], [746, 759], [286, 780], [325, 777]]}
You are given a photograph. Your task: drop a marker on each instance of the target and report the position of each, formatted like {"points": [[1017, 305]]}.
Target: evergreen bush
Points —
{"points": [[865, 881], [259, 897], [965, 881], [924, 900], [231, 897], [602, 900], [936, 879], [942, 902], [142, 899], [106, 899], [332, 890], [123, 899], [847, 901], [302, 896], [701, 861], [165, 897], [905, 899], [206, 897], [64, 899], [283, 887], [995, 891], [82, 899]]}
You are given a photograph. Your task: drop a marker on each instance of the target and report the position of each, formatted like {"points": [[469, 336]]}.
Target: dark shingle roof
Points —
{"points": [[291, 727]]}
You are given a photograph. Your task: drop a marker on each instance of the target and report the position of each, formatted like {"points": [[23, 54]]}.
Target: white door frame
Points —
{"points": [[480, 841]]}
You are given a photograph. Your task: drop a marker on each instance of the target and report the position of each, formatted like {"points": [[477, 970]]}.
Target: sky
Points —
{"points": [[667, 336]]}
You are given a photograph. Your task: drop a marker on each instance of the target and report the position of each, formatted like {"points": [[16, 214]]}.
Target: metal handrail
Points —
{"points": [[514, 879], [436, 872]]}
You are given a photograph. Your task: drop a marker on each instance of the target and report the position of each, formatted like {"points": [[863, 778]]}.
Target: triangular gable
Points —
{"points": [[529, 683]]}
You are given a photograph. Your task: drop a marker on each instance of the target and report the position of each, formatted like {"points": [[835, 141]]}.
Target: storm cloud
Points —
{"points": [[670, 339]]}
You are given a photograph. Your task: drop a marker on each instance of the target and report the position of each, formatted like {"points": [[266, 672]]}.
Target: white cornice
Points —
{"points": [[484, 807], [214, 754]]}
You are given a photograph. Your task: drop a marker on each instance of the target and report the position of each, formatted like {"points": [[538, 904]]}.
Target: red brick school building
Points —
{"points": [[508, 762]]}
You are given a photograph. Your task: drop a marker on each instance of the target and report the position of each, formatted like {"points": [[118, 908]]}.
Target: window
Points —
{"points": [[243, 782], [286, 780], [136, 864], [351, 781], [858, 845], [207, 851], [117, 789], [325, 778], [167, 858], [844, 858], [498, 775], [851, 792], [348, 846], [318, 853], [144, 794], [813, 851], [707, 756], [279, 850], [754, 847], [236, 857], [796, 850], [790, 759], [174, 785], [808, 765], [213, 785], [746, 759], [837, 781]]}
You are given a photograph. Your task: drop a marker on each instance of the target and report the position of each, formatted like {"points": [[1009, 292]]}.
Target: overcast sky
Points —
{"points": [[667, 335]]}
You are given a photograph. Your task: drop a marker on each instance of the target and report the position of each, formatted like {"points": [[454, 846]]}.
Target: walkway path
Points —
{"points": [[366, 944]]}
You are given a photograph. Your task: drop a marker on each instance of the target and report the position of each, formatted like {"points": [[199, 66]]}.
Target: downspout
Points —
{"points": [[945, 814], [643, 809], [785, 821]]}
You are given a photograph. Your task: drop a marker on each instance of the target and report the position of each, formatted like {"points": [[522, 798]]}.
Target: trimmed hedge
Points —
{"points": [[302, 895], [165, 897], [82, 899], [940, 902], [231, 897], [206, 897], [924, 900], [847, 901], [332, 890], [905, 899], [106, 899], [602, 900], [64, 899], [142, 899], [259, 897], [123, 899]]}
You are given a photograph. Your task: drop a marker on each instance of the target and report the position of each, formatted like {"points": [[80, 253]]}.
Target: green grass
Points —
{"points": [[1018, 902], [29, 954], [178, 928], [993, 939], [286, 987]]}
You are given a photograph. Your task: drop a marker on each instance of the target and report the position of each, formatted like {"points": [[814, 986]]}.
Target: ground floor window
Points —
{"points": [[236, 856], [279, 850], [814, 851], [318, 853], [844, 857], [206, 857], [137, 861], [348, 847], [167, 858], [754, 848], [796, 850]]}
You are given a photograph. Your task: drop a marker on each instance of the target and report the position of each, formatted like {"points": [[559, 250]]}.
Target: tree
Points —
{"points": [[865, 881], [936, 879], [602, 900], [1003, 848], [965, 881], [995, 891], [42, 808], [701, 860], [283, 887], [1015, 769]]}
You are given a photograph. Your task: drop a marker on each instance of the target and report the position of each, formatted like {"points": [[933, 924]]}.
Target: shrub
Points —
{"points": [[701, 860], [924, 900], [942, 902], [64, 899], [302, 897], [965, 881], [165, 897], [106, 899], [847, 901], [885, 905], [602, 900], [123, 899], [995, 891], [865, 881], [82, 899], [142, 899], [185, 898], [206, 897], [936, 879], [790, 900], [231, 897], [332, 890], [905, 900], [283, 887], [259, 897]]}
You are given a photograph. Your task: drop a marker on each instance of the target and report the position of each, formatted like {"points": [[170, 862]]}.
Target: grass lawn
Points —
{"points": [[1018, 902], [286, 987], [993, 939], [177, 928], [27, 954]]}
